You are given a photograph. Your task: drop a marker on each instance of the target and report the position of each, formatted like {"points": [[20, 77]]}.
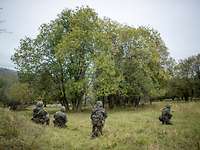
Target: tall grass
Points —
{"points": [[124, 129], [18, 133]]}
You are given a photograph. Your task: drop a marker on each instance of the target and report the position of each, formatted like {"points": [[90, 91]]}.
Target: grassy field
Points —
{"points": [[124, 129]]}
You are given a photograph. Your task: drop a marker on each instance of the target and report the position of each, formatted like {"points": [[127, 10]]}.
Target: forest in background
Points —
{"points": [[79, 58]]}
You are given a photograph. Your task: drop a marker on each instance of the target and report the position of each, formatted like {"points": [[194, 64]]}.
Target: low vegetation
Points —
{"points": [[17, 133], [125, 129]]}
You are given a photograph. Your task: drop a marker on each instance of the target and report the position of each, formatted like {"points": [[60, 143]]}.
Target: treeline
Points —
{"points": [[79, 58], [185, 81]]}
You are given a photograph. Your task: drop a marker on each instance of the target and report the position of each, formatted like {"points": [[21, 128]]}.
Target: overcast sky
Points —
{"points": [[178, 21]]}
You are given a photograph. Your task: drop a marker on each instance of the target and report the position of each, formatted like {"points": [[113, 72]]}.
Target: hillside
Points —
{"points": [[7, 72], [8, 75]]}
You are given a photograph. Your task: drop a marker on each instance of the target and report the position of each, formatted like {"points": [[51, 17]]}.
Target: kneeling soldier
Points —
{"points": [[166, 115], [40, 115], [60, 118]]}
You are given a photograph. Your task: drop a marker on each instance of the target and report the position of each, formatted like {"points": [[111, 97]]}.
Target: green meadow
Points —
{"points": [[130, 129]]}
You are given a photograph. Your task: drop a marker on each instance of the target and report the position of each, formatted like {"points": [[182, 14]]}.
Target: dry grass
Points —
{"points": [[124, 129]]}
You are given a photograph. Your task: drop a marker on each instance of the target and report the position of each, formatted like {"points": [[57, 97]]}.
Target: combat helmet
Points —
{"points": [[168, 106], [62, 109], [39, 104], [99, 104]]}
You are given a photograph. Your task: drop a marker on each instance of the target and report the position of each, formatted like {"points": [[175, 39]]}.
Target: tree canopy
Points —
{"points": [[80, 55]]}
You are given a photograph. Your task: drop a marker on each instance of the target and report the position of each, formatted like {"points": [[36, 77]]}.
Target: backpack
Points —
{"points": [[97, 117]]}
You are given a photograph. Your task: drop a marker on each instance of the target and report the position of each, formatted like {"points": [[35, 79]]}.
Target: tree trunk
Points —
{"points": [[117, 100], [103, 101], [64, 98], [79, 105], [110, 102], [74, 105]]}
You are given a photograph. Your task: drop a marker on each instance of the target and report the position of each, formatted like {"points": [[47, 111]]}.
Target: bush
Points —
{"points": [[19, 95], [17, 133]]}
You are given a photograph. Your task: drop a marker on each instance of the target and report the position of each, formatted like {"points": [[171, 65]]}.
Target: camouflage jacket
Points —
{"points": [[166, 111], [40, 113], [98, 116], [60, 116]]}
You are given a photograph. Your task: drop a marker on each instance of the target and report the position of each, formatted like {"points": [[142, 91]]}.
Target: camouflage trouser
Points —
{"points": [[97, 130], [165, 119], [41, 120], [59, 123]]}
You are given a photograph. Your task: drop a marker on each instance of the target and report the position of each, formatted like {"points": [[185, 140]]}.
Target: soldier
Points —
{"points": [[98, 117], [166, 115], [60, 118], [39, 114]]}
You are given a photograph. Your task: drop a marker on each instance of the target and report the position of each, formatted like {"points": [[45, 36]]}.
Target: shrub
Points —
{"points": [[17, 133]]}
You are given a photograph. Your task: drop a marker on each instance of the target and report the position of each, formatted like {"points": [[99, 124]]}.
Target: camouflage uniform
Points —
{"points": [[40, 115], [60, 118], [166, 115], [98, 117]]}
